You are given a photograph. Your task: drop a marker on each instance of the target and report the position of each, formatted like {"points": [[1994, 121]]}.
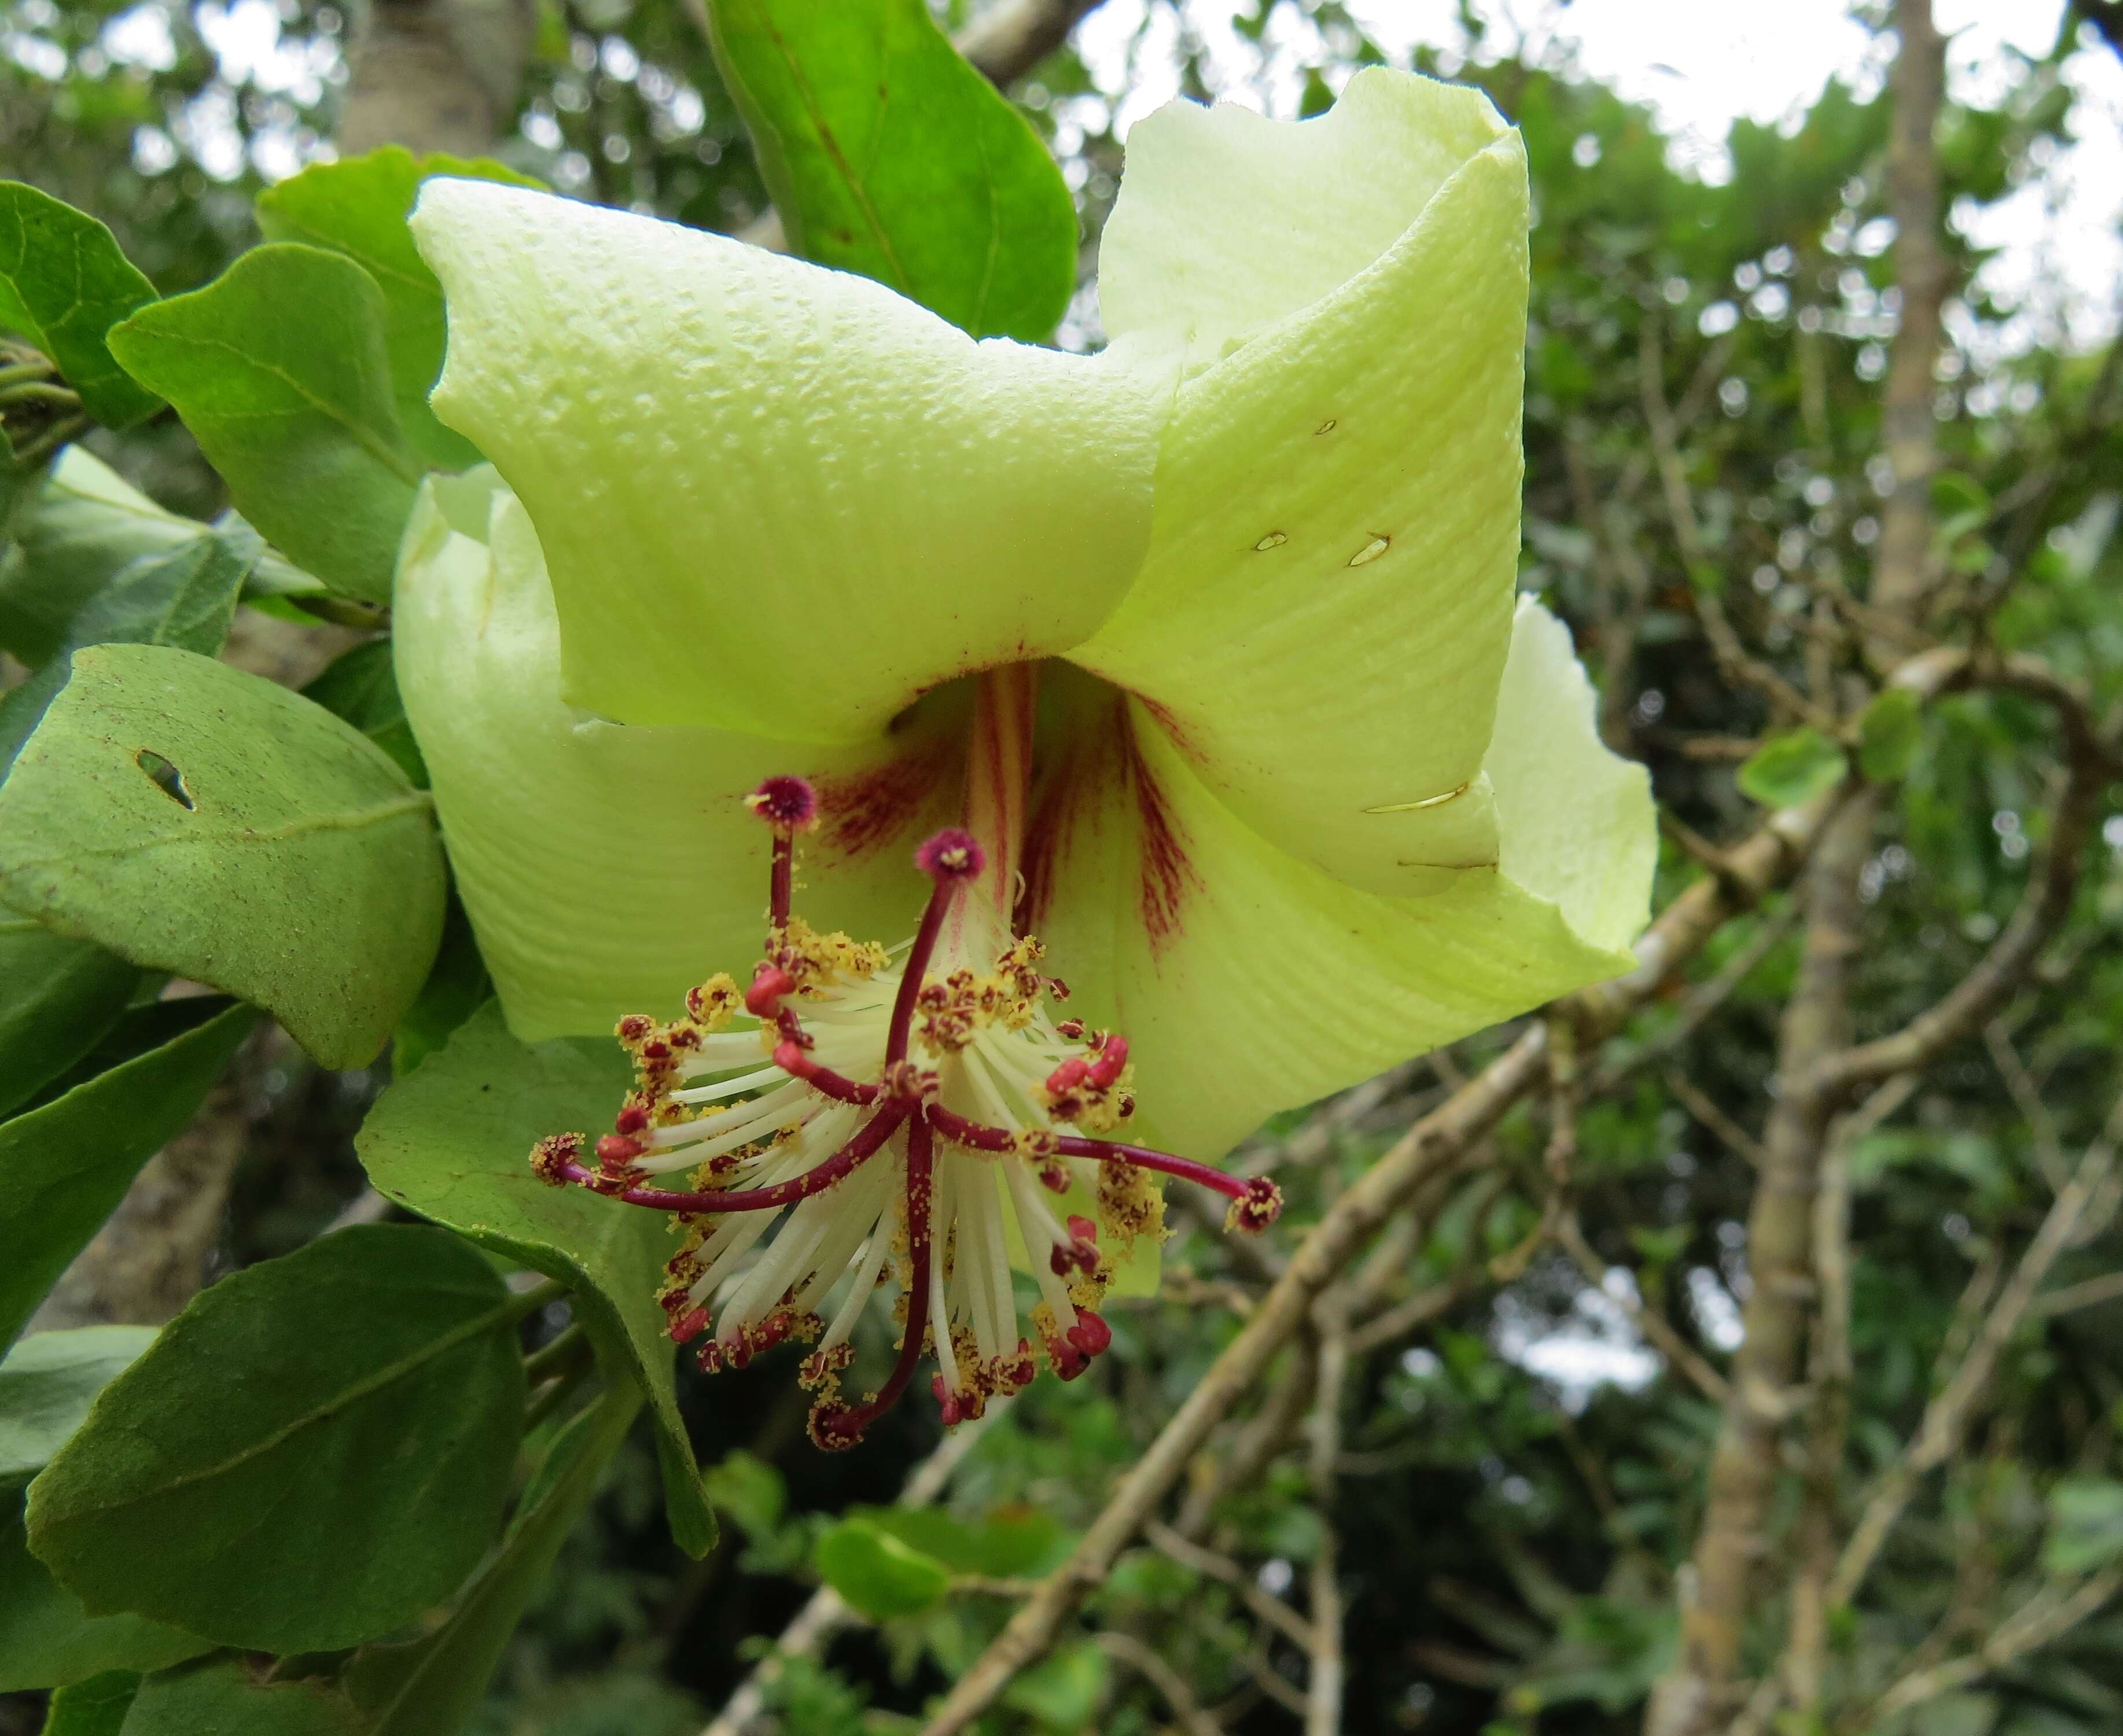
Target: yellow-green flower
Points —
{"points": [[1210, 642]]}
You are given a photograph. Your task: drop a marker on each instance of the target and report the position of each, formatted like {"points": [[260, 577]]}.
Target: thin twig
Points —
{"points": [[1702, 1000], [1946, 1417], [2027, 1098], [1647, 1320], [2045, 1617], [1161, 1675], [1699, 1103], [1324, 1681], [1213, 1565]]}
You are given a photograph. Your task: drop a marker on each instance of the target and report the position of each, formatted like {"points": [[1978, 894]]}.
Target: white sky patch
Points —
{"points": [[141, 36], [1594, 1345], [247, 42], [1699, 67]]}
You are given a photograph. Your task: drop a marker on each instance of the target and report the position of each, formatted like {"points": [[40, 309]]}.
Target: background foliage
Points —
{"points": [[1508, 1481]]}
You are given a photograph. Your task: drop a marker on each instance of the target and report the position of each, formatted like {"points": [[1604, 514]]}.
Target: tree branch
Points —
{"points": [[1438, 1144]]}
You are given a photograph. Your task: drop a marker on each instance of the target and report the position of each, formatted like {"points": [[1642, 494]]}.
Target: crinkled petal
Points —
{"points": [[776, 498], [1322, 616], [1227, 221], [1247, 981], [606, 867]]}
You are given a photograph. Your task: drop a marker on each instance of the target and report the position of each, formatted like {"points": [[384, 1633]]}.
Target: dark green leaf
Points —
{"points": [[358, 207], [431, 1686], [197, 819], [2086, 1525], [65, 1165], [365, 1392], [1793, 767], [47, 1382], [57, 996], [1890, 730], [453, 1143], [63, 284], [887, 154], [456, 988], [185, 597], [47, 1639], [362, 688], [750, 1490], [876, 1572], [96, 1707], [226, 1699], [279, 370]]}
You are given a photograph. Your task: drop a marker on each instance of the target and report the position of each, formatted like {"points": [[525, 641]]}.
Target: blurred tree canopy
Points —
{"points": [[1816, 508]]}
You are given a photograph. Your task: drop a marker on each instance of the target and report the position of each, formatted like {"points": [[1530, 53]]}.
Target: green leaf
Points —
{"points": [[1793, 767], [430, 1686], [84, 524], [456, 988], [226, 1699], [453, 1143], [750, 1490], [278, 368], [1012, 1541], [2086, 1525], [887, 154], [47, 1639], [65, 1165], [361, 688], [1890, 730], [1061, 1693], [19, 485], [96, 1707], [47, 1382], [57, 996], [185, 598], [358, 207], [63, 284], [197, 819], [365, 1392], [876, 1572]]}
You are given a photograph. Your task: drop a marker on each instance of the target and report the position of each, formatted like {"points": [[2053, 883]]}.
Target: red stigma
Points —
{"points": [[951, 855], [786, 804], [632, 1119], [1068, 1076], [1090, 1335], [763, 999]]}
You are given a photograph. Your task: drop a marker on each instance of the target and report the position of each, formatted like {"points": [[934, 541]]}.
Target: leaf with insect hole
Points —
{"points": [[197, 820]]}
